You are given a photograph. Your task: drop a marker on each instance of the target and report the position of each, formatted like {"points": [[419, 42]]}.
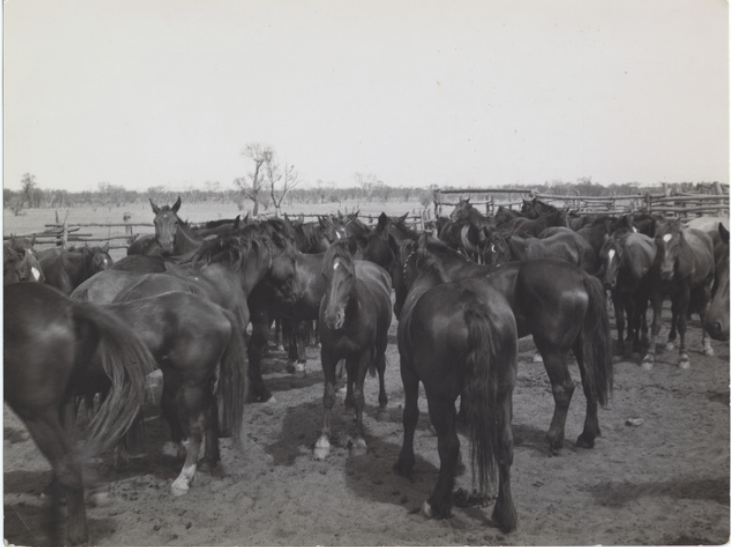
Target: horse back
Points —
{"points": [[640, 252], [701, 248]]}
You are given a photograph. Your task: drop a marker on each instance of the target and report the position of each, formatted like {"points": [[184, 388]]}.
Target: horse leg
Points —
{"points": [[212, 448], [617, 304], [169, 406], [358, 368], [443, 417], [670, 345], [322, 446], [591, 422], [381, 368], [504, 514], [562, 387], [649, 360], [703, 297], [683, 299], [53, 442], [194, 400], [405, 463], [301, 336], [255, 351]]}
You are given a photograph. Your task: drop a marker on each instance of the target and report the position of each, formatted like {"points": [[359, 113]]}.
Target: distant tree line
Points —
{"points": [[277, 184]]}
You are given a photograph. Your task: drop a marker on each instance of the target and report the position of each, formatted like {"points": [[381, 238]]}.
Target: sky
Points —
{"points": [[143, 93]]}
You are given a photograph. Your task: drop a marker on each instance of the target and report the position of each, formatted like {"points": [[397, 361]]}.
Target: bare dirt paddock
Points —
{"points": [[665, 481]]}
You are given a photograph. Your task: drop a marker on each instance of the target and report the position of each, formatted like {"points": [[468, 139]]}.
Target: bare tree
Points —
{"points": [[28, 183], [251, 185], [280, 180], [368, 183]]}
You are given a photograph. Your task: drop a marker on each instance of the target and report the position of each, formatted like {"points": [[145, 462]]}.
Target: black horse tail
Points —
{"points": [[126, 361], [597, 343], [480, 391], [233, 382]]}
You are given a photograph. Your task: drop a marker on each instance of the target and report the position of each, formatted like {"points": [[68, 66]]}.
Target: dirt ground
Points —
{"points": [[665, 481]]}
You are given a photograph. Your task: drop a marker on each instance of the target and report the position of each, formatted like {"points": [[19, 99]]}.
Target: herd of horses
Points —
{"points": [[199, 303]]}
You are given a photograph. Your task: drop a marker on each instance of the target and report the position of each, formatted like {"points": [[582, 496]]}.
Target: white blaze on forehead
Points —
{"points": [[336, 264], [35, 273], [337, 234], [667, 237], [611, 254]]}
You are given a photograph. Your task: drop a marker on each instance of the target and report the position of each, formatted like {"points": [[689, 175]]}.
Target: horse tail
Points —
{"points": [[233, 382], [481, 390], [126, 361], [597, 342]]}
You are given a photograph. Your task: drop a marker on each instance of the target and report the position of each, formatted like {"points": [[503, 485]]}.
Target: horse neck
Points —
{"points": [[186, 239]]}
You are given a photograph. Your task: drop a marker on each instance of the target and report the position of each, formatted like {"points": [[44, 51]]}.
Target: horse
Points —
{"points": [[265, 268], [535, 208], [555, 242], [49, 346], [459, 339], [683, 270], [172, 235], [20, 263], [194, 342], [350, 225], [66, 269], [534, 226], [560, 305], [354, 317], [313, 237], [626, 259], [716, 320], [104, 286]]}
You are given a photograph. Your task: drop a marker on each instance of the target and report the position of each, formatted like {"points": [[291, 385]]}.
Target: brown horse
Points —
{"points": [[20, 262], [716, 321], [66, 269], [458, 339], [354, 317], [683, 270]]}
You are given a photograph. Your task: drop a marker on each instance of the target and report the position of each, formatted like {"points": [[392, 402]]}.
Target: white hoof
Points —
{"points": [[359, 447], [708, 352], [322, 449], [99, 499], [299, 367], [426, 509], [647, 365], [180, 487], [537, 358], [670, 346], [684, 363]]}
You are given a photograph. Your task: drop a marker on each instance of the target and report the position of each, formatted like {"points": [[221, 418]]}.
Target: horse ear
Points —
{"points": [[176, 206], [355, 215], [723, 233], [155, 208], [322, 222], [382, 222], [237, 222], [402, 218], [106, 247]]}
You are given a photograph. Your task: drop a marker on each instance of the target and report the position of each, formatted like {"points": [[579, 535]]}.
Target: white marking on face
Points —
{"points": [[634, 229], [336, 264], [667, 237], [35, 273], [611, 254], [337, 234], [492, 248]]}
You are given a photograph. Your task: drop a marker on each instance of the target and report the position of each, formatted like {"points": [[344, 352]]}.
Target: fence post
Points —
{"points": [[437, 199]]}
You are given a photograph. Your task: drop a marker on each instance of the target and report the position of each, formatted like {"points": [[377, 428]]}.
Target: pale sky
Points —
{"points": [[143, 93]]}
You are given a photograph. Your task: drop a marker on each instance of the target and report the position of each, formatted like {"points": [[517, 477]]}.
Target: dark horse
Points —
{"points": [[684, 270], [194, 341], [20, 262], [459, 339], [355, 314], [561, 306], [716, 322], [172, 235], [66, 269], [626, 259], [49, 345]]}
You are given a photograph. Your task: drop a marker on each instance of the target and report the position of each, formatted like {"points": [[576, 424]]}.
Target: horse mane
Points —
{"points": [[232, 250], [427, 264], [341, 250]]}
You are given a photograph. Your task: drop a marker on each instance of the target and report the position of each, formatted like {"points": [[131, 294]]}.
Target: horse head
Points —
{"points": [[669, 240], [338, 268], [166, 225], [20, 263], [611, 256]]}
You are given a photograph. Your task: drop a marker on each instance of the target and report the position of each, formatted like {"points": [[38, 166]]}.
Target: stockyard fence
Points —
{"points": [[704, 199]]}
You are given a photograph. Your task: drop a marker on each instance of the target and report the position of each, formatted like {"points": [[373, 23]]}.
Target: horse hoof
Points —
{"points": [[99, 499], [684, 364], [426, 509], [708, 352], [358, 447], [583, 442], [179, 488], [669, 346], [647, 364], [322, 449], [537, 358]]}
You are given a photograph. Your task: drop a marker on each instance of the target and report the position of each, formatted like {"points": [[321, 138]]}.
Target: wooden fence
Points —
{"points": [[670, 202]]}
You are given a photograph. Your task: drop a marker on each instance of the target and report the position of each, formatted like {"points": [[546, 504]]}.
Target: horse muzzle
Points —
{"points": [[335, 321]]}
